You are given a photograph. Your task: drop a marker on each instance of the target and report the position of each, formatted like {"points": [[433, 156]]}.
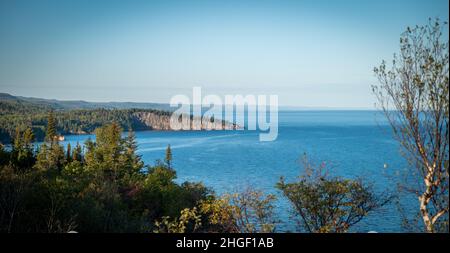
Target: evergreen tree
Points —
{"points": [[77, 153], [42, 163], [168, 157], [51, 128], [27, 155], [22, 154], [16, 150], [17, 141], [132, 160], [68, 153], [28, 138], [104, 154], [51, 158]]}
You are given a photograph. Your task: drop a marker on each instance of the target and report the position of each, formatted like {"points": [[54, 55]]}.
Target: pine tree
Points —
{"points": [[16, 148], [28, 138], [27, 156], [42, 163], [17, 141], [68, 153], [76, 154], [22, 153], [132, 160], [105, 154], [51, 128], [51, 158], [57, 156], [168, 158]]}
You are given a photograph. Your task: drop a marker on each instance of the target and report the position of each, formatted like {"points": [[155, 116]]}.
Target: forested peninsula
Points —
{"points": [[80, 117]]}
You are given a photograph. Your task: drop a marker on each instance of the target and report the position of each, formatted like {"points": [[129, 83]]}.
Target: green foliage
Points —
{"points": [[21, 156], [253, 211], [219, 215], [50, 159], [19, 114], [106, 189], [189, 220], [77, 153], [168, 158], [69, 153], [325, 204], [249, 211], [51, 133]]}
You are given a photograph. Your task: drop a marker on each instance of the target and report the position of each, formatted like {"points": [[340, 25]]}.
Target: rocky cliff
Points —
{"points": [[157, 121]]}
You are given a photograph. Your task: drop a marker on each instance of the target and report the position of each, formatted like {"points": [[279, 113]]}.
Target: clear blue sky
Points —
{"points": [[310, 53]]}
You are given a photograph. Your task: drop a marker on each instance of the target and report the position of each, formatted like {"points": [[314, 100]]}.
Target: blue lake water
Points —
{"points": [[353, 143]]}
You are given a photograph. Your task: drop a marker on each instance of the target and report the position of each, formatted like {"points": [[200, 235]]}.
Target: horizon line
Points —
{"points": [[291, 107]]}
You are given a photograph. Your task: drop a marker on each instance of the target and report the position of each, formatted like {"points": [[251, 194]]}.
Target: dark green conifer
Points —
{"points": [[76, 154], [168, 157], [68, 153], [51, 134]]}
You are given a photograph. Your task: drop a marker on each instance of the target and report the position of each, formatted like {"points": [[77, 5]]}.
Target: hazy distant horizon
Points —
{"points": [[281, 107]]}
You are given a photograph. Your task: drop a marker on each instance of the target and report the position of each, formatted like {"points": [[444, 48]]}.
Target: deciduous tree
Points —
{"points": [[414, 95], [323, 203]]}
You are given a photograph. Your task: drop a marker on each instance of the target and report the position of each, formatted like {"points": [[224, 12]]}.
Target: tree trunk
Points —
{"points": [[424, 199]]}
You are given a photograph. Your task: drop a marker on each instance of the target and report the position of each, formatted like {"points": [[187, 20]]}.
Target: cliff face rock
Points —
{"points": [[155, 121]]}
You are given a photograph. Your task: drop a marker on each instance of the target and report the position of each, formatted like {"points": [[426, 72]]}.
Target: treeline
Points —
{"points": [[107, 188], [20, 115]]}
